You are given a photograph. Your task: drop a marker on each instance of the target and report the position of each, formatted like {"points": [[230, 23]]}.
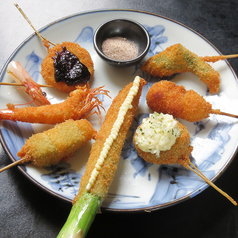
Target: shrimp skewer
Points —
{"points": [[33, 89], [103, 160], [55, 145], [169, 98], [178, 59], [78, 105], [174, 152]]}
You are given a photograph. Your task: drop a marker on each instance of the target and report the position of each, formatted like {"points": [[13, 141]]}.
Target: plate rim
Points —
{"points": [[106, 209]]}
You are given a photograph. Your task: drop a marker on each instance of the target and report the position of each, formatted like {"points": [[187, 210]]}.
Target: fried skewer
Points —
{"points": [[103, 160], [160, 139], [169, 98], [56, 144], [79, 104], [67, 65], [178, 59]]}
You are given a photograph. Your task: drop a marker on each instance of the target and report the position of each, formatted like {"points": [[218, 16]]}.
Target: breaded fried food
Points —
{"points": [[178, 59], [179, 152], [57, 144], [78, 105], [103, 161], [169, 98], [175, 147], [108, 168], [48, 69]]}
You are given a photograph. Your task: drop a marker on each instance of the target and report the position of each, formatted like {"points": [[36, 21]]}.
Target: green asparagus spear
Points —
{"points": [[99, 173], [81, 216]]}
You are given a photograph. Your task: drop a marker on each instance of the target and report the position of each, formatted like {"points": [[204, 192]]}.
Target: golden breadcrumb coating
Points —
{"points": [[178, 59], [178, 153], [78, 105], [108, 169], [48, 70], [168, 98], [59, 143]]}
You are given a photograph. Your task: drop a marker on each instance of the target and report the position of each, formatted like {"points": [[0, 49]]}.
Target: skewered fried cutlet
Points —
{"points": [[71, 66], [168, 98], [59, 143], [178, 59]]}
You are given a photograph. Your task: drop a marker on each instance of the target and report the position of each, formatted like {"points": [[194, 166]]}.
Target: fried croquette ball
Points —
{"points": [[163, 141], [66, 66]]}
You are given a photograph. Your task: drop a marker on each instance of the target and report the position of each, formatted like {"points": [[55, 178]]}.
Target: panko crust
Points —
{"points": [[104, 178], [178, 59], [179, 152], [168, 98], [57, 144], [47, 66]]}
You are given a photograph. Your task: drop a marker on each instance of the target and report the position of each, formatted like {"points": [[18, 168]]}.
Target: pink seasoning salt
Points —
{"points": [[119, 48]]}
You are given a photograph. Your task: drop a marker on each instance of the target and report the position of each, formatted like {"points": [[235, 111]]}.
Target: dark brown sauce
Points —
{"points": [[69, 69]]}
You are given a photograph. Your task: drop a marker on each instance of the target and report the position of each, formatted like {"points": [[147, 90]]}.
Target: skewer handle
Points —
{"points": [[218, 112], [201, 175], [214, 59], [20, 84], [230, 56], [29, 22], [11, 165]]}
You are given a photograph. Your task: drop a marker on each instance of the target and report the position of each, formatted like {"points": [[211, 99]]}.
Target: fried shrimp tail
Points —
{"points": [[178, 59], [56, 144], [20, 75], [78, 105], [161, 139]]}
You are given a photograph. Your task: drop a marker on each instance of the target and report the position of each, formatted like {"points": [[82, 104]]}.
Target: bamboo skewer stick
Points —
{"points": [[29, 22], [217, 58], [201, 175], [218, 112], [12, 164], [20, 84]]}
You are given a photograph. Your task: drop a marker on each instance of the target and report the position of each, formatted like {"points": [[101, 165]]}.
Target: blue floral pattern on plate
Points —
{"points": [[137, 184]]}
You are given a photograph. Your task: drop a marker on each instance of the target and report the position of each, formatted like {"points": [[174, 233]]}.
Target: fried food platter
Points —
{"points": [[137, 185]]}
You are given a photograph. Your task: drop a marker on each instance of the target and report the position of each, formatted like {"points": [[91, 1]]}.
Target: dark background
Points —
{"points": [[28, 211]]}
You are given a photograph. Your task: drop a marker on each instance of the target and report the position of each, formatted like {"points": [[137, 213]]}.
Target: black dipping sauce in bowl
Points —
{"points": [[121, 42]]}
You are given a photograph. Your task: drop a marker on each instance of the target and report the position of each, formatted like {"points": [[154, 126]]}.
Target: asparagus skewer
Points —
{"points": [[103, 160], [81, 216]]}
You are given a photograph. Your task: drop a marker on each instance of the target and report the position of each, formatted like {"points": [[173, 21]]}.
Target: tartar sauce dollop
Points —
{"points": [[157, 133]]}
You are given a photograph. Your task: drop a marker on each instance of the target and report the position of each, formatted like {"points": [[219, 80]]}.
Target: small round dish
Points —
{"points": [[127, 29]]}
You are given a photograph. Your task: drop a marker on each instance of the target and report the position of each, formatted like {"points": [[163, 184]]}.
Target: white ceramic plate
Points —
{"points": [[137, 184]]}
